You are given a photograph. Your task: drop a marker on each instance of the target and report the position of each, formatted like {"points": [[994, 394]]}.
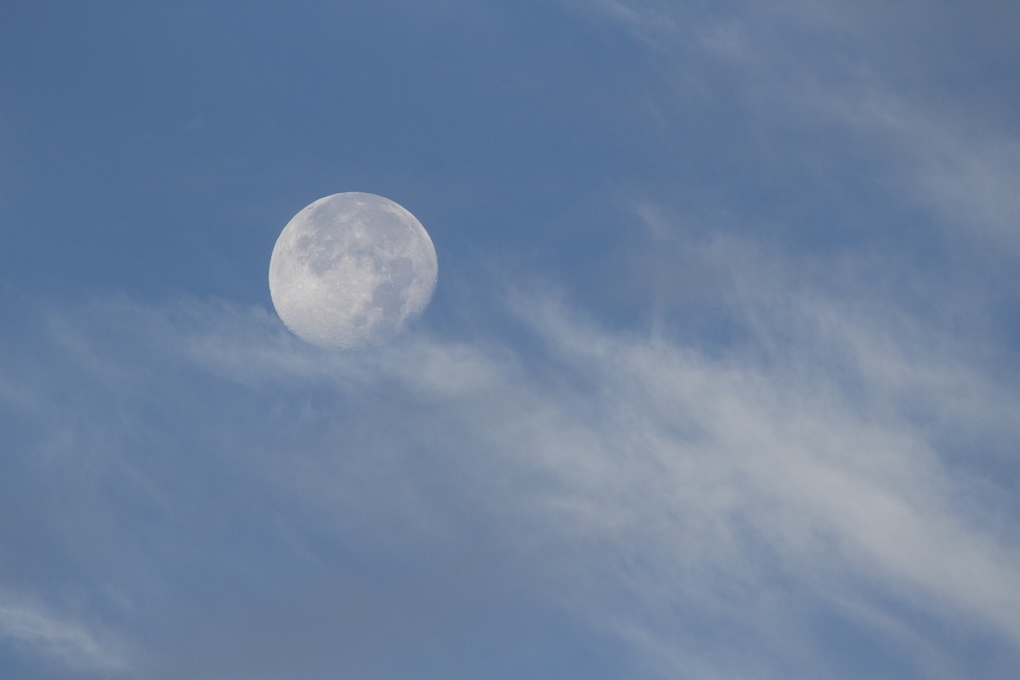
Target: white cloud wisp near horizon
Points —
{"points": [[749, 513]]}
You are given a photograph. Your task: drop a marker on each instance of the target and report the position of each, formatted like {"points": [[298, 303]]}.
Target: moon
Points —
{"points": [[351, 270]]}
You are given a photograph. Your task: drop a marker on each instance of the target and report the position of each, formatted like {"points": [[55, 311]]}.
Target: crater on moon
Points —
{"points": [[352, 270]]}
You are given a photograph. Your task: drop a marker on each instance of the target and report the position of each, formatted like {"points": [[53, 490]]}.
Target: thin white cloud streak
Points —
{"points": [[650, 485], [830, 485], [969, 179], [40, 634], [875, 71]]}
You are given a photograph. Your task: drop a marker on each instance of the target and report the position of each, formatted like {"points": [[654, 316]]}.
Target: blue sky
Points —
{"points": [[719, 381]]}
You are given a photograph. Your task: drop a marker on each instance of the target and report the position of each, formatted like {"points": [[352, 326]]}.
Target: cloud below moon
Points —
{"points": [[657, 495]]}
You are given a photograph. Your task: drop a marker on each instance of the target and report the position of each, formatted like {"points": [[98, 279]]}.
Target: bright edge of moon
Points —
{"points": [[351, 270]]}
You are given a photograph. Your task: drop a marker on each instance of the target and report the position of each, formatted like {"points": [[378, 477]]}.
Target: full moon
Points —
{"points": [[352, 270]]}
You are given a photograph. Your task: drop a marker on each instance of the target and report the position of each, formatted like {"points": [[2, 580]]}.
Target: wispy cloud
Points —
{"points": [[884, 78], [45, 637], [709, 511]]}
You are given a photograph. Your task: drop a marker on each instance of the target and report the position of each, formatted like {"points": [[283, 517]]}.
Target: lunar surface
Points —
{"points": [[352, 270]]}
